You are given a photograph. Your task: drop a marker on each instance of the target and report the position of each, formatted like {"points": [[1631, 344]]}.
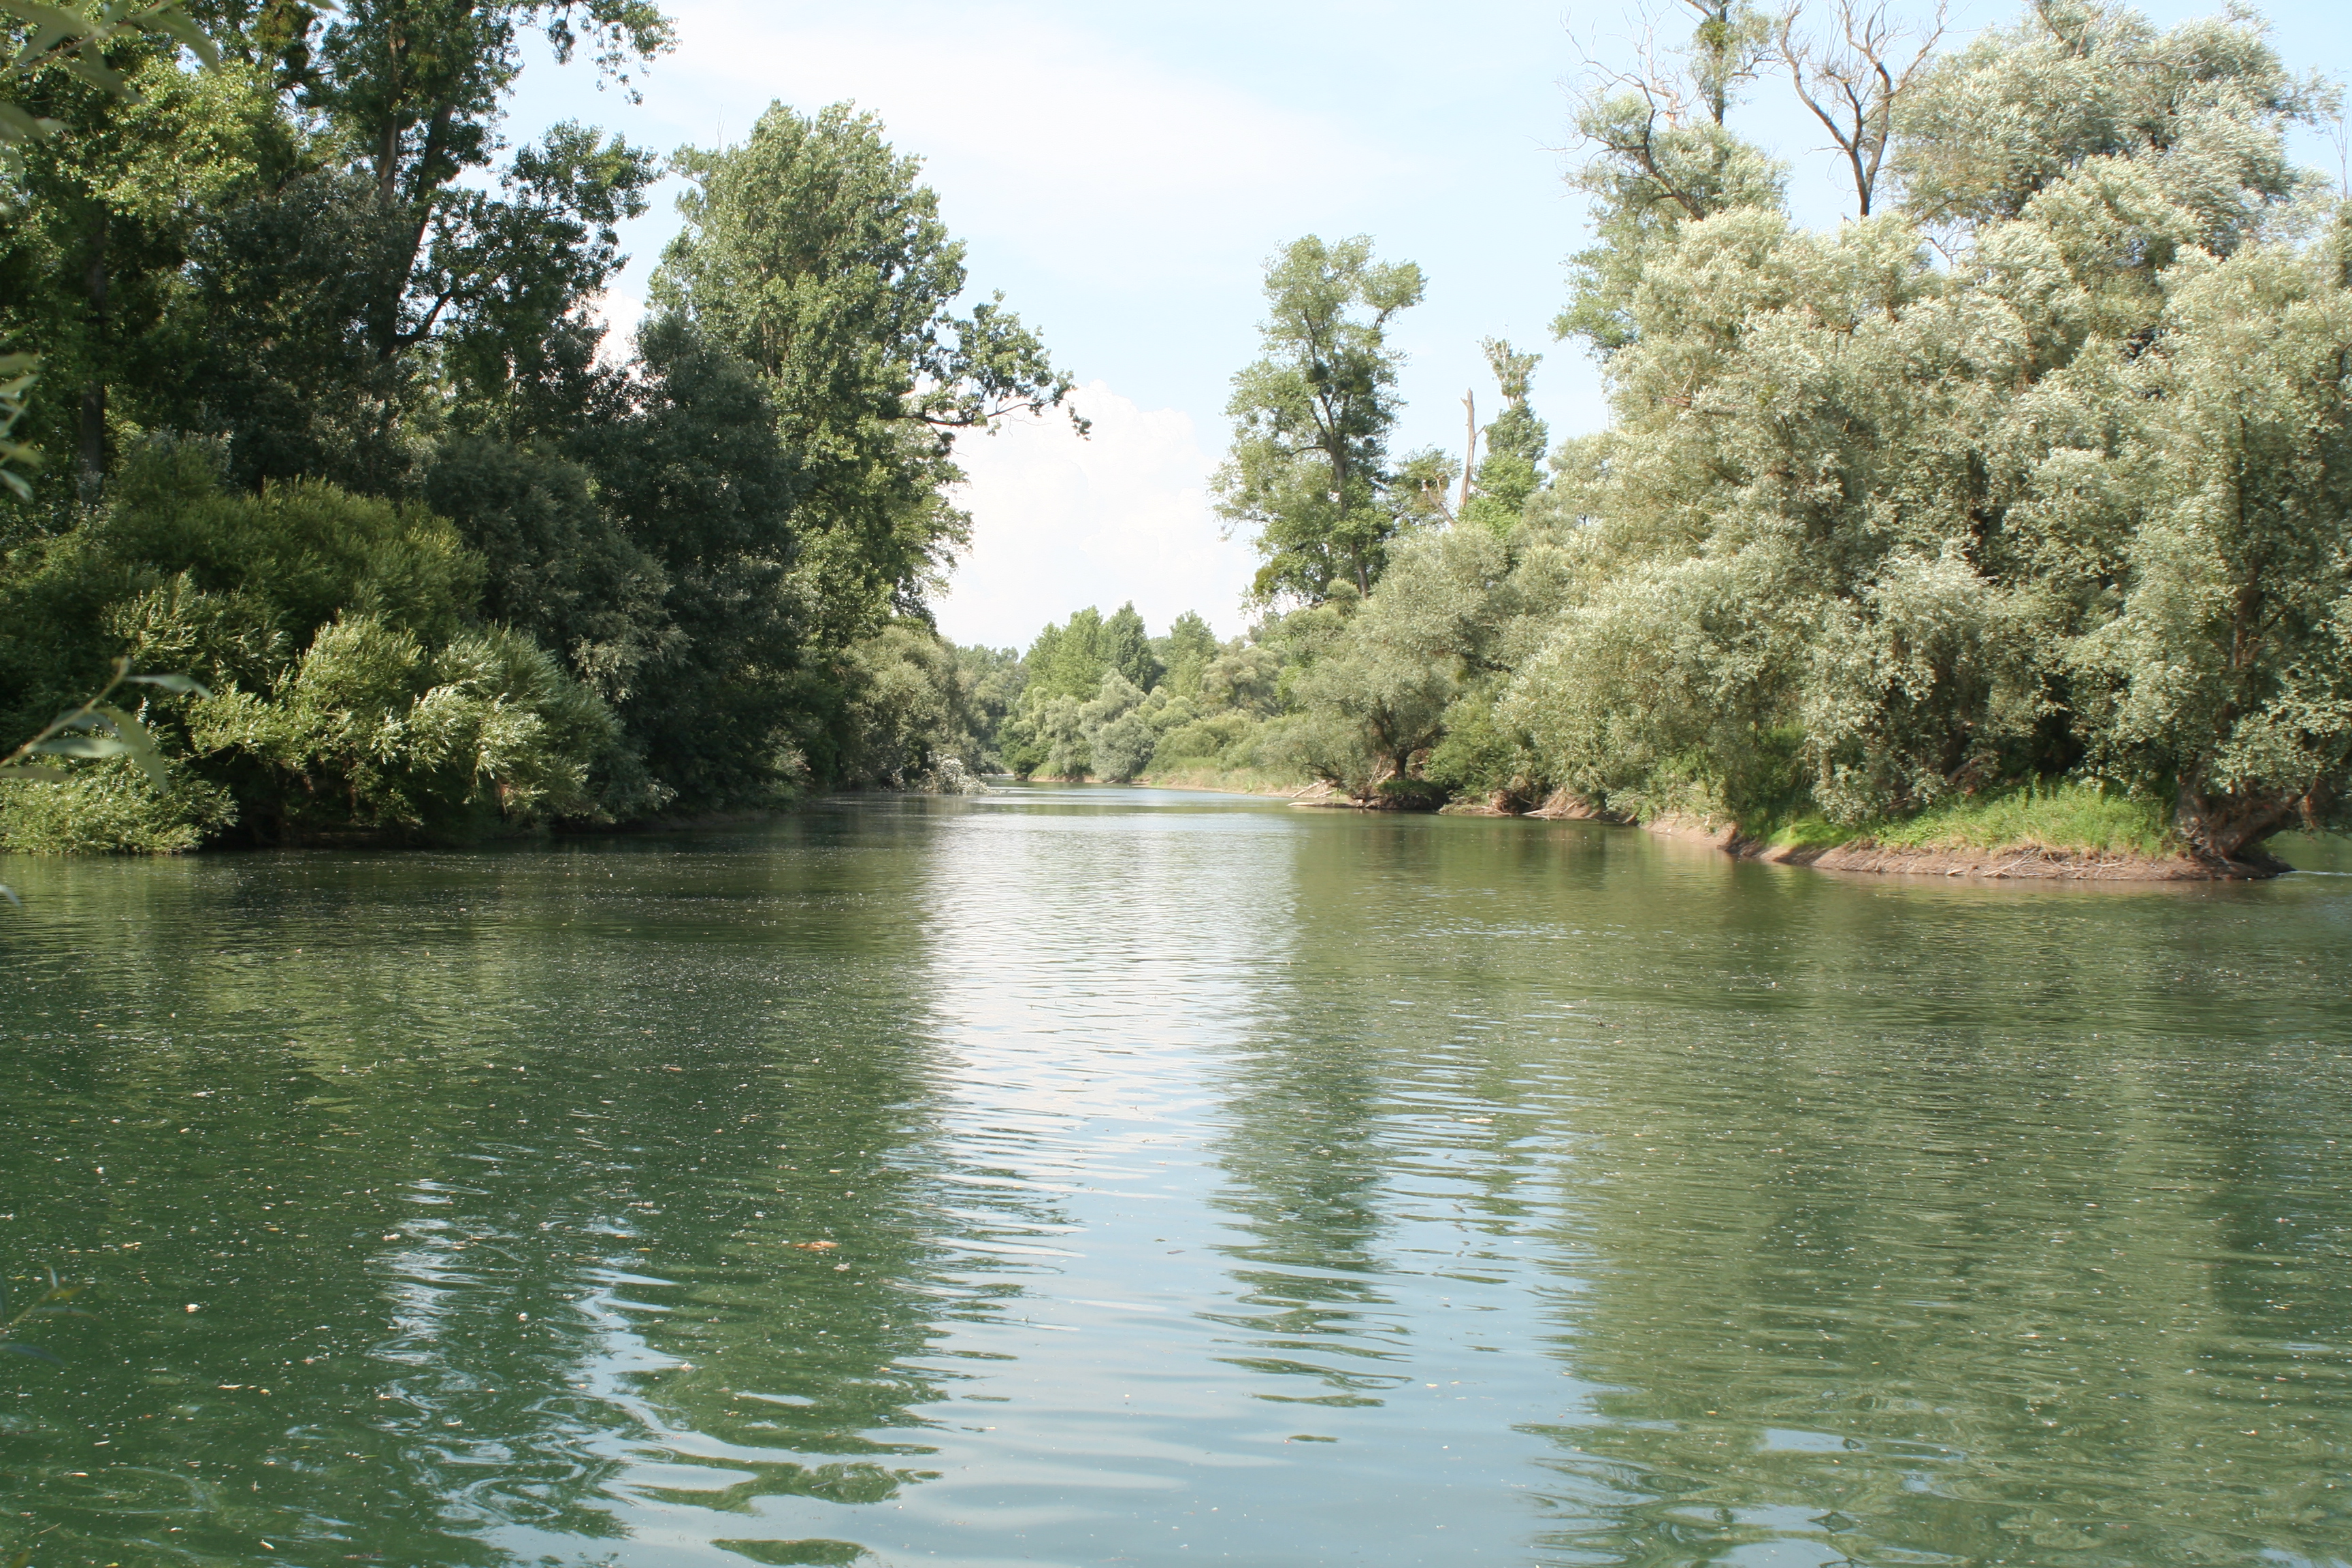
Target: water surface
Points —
{"points": [[1076, 1176]]}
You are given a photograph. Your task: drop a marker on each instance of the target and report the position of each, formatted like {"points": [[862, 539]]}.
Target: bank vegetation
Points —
{"points": [[314, 407], [2013, 511]]}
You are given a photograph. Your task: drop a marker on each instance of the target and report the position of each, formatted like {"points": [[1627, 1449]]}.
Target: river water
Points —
{"points": [[1098, 1175]]}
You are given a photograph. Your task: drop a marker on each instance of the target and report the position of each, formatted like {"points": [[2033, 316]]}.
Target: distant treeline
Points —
{"points": [[328, 425], [2036, 475]]}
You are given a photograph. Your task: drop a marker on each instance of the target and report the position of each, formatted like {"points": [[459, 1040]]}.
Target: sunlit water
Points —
{"points": [[1079, 1176]]}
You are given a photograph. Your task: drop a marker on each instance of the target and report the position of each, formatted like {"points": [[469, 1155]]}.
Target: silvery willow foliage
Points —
{"points": [[2043, 472]]}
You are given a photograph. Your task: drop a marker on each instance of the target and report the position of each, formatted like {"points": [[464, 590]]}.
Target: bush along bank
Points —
{"points": [[330, 428], [2007, 526]]}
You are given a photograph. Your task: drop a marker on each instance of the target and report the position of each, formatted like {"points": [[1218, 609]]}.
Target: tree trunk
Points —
{"points": [[1469, 447], [2230, 827]]}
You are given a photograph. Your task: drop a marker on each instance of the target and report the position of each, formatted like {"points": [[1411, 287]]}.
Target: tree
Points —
{"points": [[1870, 532], [1125, 646], [51, 43], [1512, 469], [1307, 468], [730, 699], [2225, 677], [1068, 660], [418, 86], [1663, 156], [95, 266], [813, 253], [1853, 82], [1186, 651], [346, 681]]}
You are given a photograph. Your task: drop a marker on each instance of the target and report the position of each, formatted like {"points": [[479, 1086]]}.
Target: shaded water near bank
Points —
{"points": [[1076, 1176]]}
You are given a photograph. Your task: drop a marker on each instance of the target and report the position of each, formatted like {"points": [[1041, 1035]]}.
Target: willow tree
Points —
{"points": [[1877, 531]]}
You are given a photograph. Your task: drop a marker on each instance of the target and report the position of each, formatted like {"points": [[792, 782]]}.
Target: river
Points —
{"points": [[1100, 1175]]}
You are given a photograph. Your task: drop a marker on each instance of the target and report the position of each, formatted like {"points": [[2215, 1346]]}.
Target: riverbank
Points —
{"points": [[1234, 781], [2070, 831], [2044, 861], [2065, 832]]}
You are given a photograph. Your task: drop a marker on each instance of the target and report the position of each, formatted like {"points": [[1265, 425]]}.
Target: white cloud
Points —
{"points": [[1059, 523], [1081, 152]]}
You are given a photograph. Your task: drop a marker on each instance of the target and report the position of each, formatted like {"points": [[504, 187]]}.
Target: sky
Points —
{"points": [[1121, 173]]}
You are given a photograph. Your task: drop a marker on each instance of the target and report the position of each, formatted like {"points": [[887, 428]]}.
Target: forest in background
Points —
{"points": [[2027, 482], [2026, 492], [322, 420]]}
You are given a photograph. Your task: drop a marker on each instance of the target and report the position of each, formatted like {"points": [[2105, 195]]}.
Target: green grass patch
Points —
{"points": [[1238, 781], [2072, 816]]}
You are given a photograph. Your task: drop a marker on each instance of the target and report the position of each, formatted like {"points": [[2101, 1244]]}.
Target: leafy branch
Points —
{"points": [[73, 37], [95, 730]]}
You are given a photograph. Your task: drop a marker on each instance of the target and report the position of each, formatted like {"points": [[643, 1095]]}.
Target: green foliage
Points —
{"points": [[813, 255], [371, 729], [1185, 652], [1085, 709], [345, 683], [1512, 470], [997, 678], [1878, 535], [557, 563], [2072, 817], [1070, 660], [449, 567], [1309, 468], [1664, 158], [16, 383], [911, 711], [132, 801], [1482, 757]]}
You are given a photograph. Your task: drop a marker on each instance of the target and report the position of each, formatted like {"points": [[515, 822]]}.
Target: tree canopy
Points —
{"points": [[348, 449]]}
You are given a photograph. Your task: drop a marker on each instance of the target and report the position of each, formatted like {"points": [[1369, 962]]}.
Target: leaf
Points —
{"points": [[139, 744], [88, 747], [15, 125], [171, 20], [32, 13], [75, 720], [41, 46], [100, 75], [183, 684]]}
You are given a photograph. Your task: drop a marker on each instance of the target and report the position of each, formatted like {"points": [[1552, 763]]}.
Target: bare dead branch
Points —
{"points": [[1853, 81]]}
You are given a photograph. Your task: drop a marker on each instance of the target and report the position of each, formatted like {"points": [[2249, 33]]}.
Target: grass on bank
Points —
{"points": [[2070, 816], [1233, 781]]}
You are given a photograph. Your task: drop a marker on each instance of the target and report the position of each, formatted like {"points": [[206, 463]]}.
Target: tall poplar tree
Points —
{"points": [[814, 252], [1309, 468]]}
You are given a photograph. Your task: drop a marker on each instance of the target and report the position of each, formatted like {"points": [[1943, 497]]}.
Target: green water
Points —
{"points": [[1078, 1176]]}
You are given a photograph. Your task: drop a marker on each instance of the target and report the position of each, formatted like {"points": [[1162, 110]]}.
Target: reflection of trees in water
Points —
{"points": [[1346, 1096], [437, 1265], [1902, 1283]]}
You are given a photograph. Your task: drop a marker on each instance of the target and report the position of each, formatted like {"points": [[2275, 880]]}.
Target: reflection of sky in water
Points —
{"points": [[1080, 1175]]}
